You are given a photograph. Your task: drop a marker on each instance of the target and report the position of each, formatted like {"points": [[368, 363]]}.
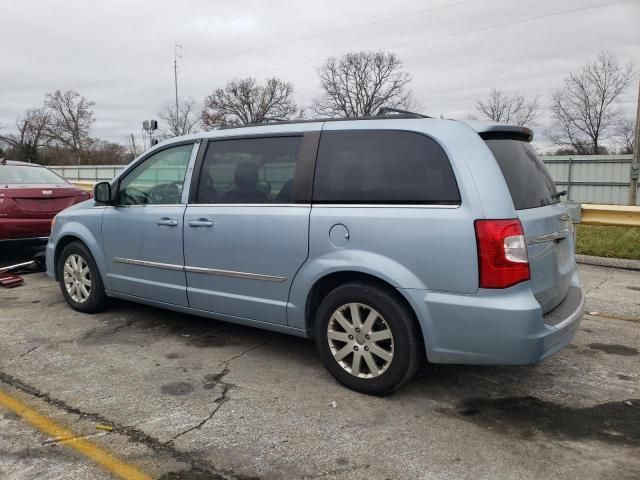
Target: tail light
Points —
{"points": [[502, 253]]}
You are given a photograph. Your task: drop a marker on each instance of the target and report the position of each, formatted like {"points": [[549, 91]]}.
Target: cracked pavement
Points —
{"points": [[191, 398]]}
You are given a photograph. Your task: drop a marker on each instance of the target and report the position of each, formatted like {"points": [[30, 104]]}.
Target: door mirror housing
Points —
{"points": [[102, 193]]}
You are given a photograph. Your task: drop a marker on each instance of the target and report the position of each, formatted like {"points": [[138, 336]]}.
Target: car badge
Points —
{"points": [[47, 192]]}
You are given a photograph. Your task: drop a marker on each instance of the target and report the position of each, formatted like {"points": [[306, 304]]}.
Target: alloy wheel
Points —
{"points": [[77, 278], [360, 340]]}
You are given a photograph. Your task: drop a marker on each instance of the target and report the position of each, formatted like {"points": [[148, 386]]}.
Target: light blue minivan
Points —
{"points": [[385, 238]]}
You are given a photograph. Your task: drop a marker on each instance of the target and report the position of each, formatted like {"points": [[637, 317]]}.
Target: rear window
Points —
{"points": [[529, 181], [378, 166], [24, 175]]}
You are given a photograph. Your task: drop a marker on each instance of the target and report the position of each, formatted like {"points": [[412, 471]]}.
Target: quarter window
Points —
{"points": [[158, 180], [378, 166], [249, 170]]}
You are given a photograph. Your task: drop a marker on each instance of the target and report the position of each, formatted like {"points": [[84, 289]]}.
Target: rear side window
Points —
{"points": [[249, 170], [383, 166], [529, 181]]}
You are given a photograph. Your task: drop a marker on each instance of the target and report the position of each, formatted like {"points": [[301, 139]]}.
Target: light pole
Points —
{"points": [[150, 126], [635, 164], [175, 75]]}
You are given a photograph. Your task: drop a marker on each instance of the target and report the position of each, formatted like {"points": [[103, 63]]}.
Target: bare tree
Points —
{"points": [[624, 135], [514, 109], [360, 83], [32, 134], [71, 120], [104, 152], [584, 110], [133, 148], [242, 102], [184, 123]]}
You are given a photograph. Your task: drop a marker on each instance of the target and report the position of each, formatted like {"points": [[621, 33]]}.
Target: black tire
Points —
{"points": [[407, 346], [97, 300]]}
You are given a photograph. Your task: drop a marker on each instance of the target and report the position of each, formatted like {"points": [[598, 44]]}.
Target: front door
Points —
{"points": [[246, 231], [142, 233]]}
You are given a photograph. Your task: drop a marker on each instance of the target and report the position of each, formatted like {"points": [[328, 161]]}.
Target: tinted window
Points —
{"points": [[529, 182], [253, 170], [157, 180], [377, 166], [24, 175]]}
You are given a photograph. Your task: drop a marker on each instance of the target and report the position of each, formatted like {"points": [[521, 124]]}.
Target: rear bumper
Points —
{"points": [[24, 228], [495, 327]]}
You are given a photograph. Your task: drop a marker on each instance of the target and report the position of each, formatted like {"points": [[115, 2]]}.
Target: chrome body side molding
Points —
{"points": [[146, 263], [232, 273], [208, 271]]}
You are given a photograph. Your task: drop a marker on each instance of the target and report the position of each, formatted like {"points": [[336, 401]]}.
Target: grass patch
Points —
{"points": [[617, 242]]}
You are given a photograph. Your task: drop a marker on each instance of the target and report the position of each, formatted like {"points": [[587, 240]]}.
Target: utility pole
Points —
{"points": [[175, 74], [635, 165]]}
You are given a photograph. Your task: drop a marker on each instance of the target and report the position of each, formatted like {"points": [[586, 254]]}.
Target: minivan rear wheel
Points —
{"points": [[80, 279], [367, 338]]}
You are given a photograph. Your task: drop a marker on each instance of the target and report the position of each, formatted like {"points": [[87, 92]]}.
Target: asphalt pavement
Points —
{"points": [[188, 398]]}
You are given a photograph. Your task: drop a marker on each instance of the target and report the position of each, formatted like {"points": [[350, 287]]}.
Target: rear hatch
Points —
{"points": [[545, 220], [39, 201]]}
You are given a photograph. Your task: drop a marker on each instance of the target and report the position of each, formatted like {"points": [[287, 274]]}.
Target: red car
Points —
{"points": [[30, 196]]}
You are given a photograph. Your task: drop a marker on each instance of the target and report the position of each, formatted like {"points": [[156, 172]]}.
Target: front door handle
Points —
{"points": [[201, 222], [167, 222]]}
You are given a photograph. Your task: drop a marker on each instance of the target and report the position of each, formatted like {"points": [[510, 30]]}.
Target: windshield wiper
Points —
{"points": [[559, 194]]}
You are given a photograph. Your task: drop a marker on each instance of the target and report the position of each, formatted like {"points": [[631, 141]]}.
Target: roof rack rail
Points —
{"points": [[390, 110], [380, 115]]}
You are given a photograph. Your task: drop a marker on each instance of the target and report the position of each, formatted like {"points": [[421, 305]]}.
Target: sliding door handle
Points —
{"points": [[201, 222], [167, 222]]}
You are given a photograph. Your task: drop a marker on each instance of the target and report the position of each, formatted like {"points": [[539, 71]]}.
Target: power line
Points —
{"points": [[404, 44], [332, 32], [281, 44], [506, 24]]}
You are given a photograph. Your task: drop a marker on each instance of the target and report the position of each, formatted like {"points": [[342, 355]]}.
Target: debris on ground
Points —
{"points": [[8, 280], [17, 266], [11, 280]]}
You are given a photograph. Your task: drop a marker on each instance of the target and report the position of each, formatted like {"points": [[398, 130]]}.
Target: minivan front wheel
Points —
{"points": [[80, 279], [367, 338]]}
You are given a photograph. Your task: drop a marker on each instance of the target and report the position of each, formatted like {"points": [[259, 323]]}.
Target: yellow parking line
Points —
{"points": [[85, 447]]}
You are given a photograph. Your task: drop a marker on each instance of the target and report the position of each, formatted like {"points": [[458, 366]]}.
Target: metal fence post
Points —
{"points": [[635, 164], [569, 179]]}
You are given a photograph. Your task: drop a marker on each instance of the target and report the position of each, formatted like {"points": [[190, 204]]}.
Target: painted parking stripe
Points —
{"points": [[80, 444]]}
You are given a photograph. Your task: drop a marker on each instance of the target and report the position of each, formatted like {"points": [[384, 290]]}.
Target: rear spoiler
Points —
{"points": [[493, 130], [522, 134]]}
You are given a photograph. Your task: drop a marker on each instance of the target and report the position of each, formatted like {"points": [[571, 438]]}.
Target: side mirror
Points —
{"points": [[102, 193]]}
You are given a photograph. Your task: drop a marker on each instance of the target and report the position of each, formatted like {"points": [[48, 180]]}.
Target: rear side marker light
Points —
{"points": [[502, 253]]}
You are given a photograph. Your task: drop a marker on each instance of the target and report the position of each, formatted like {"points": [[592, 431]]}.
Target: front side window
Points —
{"points": [[249, 170], [158, 180], [383, 167]]}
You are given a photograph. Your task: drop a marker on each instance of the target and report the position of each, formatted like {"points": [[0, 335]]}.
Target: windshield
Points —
{"points": [[26, 174]]}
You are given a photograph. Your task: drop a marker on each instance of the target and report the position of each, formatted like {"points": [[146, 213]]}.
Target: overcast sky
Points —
{"points": [[120, 53]]}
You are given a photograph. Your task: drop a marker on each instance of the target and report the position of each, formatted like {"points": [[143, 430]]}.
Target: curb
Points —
{"points": [[609, 262]]}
